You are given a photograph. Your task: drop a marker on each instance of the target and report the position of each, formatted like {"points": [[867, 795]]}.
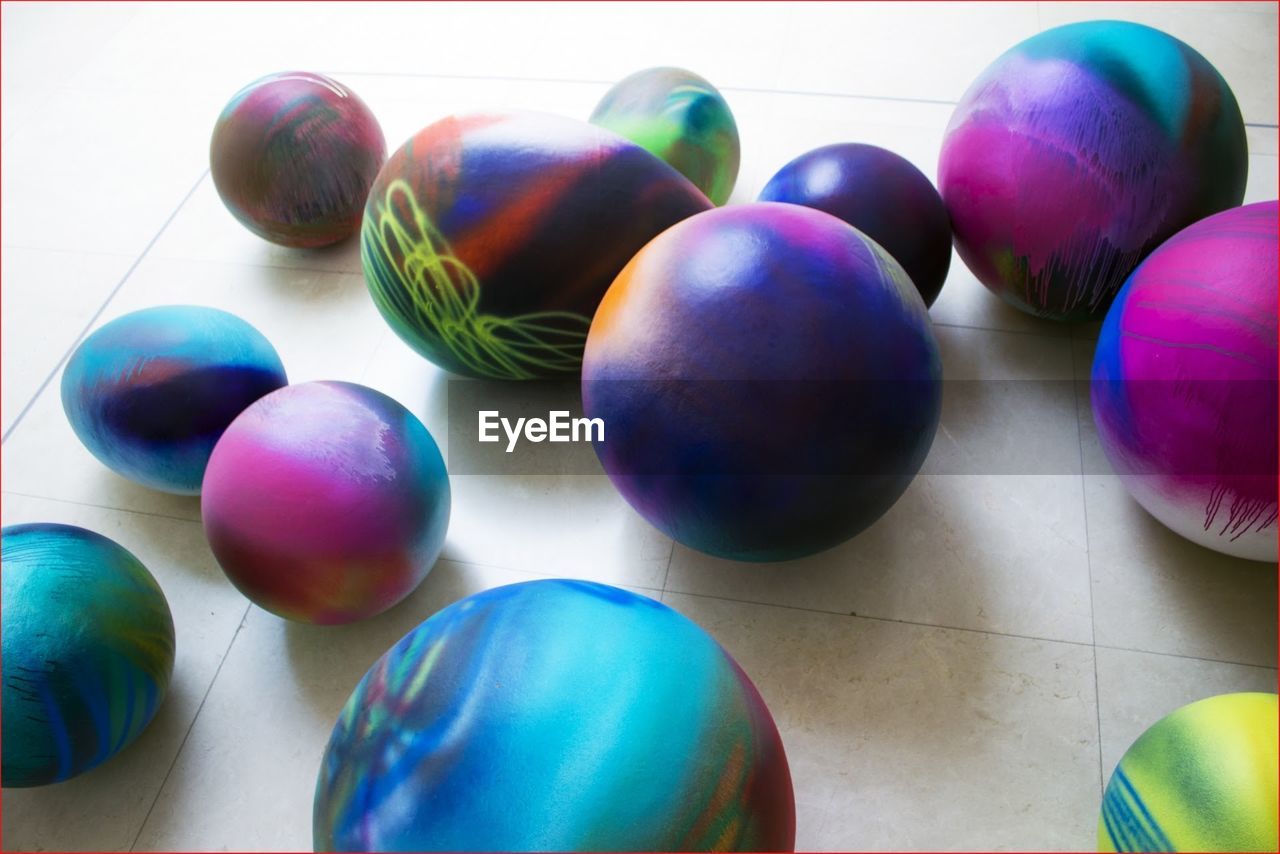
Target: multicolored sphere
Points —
{"points": [[1078, 152], [490, 239], [326, 502], [555, 715], [150, 392], [88, 651], [680, 117], [768, 380], [293, 156], [1201, 779], [1185, 382], [882, 195]]}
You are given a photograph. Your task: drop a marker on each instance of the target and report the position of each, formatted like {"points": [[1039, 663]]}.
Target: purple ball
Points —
{"points": [[768, 379], [1184, 382], [1077, 153], [882, 195]]}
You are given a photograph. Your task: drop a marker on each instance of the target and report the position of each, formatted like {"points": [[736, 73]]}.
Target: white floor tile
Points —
{"points": [[103, 810], [905, 737], [1155, 591], [47, 299], [122, 166]]}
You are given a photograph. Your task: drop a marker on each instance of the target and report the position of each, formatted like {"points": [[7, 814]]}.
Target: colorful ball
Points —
{"points": [[1201, 779], [680, 117], [326, 502], [150, 392], [1078, 152], [555, 716], [293, 156], [489, 239], [882, 195], [768, 380], [87, 649], [1185, 382]]}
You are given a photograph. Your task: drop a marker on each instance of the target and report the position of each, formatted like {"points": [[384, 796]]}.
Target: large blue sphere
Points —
{"points": [[150, 393], [87, 648], [558, 716]]}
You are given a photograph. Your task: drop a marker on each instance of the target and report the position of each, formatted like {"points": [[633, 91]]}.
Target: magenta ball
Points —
{"points": [[1077, 153], [293, 157], [326, 502], [882, 195], [1184, 382]]}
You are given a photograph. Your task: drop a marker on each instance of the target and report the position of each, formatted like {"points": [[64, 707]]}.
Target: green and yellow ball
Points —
{"points": [[681, 118], [1201, 779]]}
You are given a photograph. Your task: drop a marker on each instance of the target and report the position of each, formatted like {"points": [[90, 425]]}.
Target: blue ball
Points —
{"points": [[150, 392], [88, 651], [557, 716]]}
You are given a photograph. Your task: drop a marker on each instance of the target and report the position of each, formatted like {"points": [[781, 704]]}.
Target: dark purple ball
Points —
{"points": [[882, 195]]}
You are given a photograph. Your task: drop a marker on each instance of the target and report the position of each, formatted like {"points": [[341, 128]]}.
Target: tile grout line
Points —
{"points": [[852, 616], [1088, 562], [667, 574], [244, 617], [102, 308], [135, 512]]}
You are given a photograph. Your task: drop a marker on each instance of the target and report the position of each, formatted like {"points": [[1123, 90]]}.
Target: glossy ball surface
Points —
{"points": [[556, 716], [88, 651], [1201, 779], [768, 379], [882, 195], [1184, 383], [326, 502], [490, 239], [1078, 152], [293, 156], [150, 392], [680, 117]]}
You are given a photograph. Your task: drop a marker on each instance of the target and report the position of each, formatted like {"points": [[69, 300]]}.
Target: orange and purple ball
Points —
{"points": [[882, 195], [326, 502], [768, 379], [489, 239], [1184, 382], [1078, 152], [555, 715], [293, 156], [150, 393]]}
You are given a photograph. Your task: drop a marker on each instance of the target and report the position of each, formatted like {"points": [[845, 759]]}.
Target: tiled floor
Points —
{"points": [[962, 675]]}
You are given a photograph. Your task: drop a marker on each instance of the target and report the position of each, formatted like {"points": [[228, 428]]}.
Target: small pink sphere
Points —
{"points": [[326, 502]]}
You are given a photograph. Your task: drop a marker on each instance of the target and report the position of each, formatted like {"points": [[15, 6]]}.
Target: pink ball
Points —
{"points": [[1184, 382], [326, 502]]}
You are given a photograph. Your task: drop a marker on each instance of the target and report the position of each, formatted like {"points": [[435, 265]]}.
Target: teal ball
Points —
{"points": [[87, 647]]}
